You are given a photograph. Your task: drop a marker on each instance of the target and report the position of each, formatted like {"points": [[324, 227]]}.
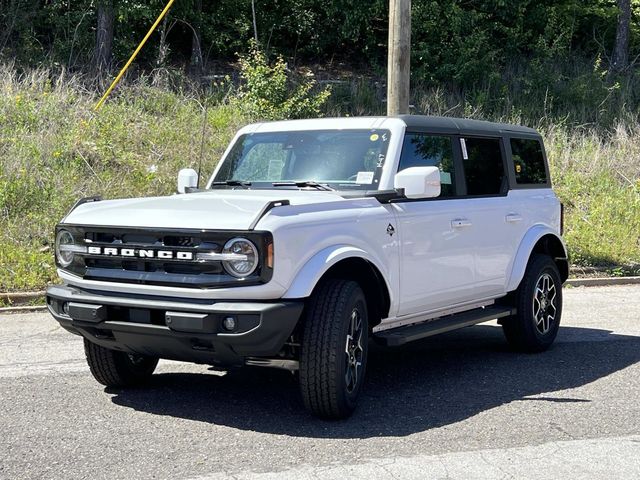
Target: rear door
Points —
{"points": [[493, 221]]}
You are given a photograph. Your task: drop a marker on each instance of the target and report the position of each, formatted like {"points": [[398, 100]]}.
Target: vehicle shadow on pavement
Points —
{"points": [[428, 384]]}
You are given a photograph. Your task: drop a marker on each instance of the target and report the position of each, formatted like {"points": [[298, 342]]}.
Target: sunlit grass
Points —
{"points": [[54, 150]]}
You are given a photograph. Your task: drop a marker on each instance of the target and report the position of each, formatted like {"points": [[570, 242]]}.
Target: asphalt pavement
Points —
{"points": [[460, 405]]}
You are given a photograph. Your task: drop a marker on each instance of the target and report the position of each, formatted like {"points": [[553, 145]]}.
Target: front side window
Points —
{"points": [[420, 150], [528, 161], [341, 159], [483, 166]]}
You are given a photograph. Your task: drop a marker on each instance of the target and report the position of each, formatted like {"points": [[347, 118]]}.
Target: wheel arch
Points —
{"points": [[348, 263], [539, 239]]}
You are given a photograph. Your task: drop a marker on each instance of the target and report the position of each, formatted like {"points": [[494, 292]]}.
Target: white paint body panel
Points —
{"points": [[443, 254]]}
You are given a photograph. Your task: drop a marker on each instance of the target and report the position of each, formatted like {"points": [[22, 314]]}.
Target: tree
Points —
{"points": [[621, 51], [104, 35], [196, 41]]}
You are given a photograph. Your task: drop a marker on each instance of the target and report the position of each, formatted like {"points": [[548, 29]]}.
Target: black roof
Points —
{"points": [[462, 126]]}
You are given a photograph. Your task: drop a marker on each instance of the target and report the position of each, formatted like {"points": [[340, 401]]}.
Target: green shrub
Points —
{"points": [[269, 92]]}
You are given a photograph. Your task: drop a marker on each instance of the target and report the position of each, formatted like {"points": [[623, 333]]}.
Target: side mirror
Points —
{"points": [[419, 182], [187, 178]]}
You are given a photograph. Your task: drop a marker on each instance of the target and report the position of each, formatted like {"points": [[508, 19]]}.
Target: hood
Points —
{"points": [[215, 209]]}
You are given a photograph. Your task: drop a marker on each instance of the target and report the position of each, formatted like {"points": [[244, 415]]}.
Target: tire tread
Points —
{"points": [[112, 369], [319, 362]]}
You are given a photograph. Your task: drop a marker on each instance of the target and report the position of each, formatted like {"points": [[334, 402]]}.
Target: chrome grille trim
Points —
{"points": [[201, 265]]}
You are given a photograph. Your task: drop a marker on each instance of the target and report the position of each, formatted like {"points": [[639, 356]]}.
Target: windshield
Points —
{"points": [[340, 159]]}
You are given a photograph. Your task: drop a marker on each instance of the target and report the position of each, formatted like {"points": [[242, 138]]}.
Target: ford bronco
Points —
{"points": [[311, 238]]}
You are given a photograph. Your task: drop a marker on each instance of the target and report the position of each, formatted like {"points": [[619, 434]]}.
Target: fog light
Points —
{"points": [[229, 324], [65, 308]]}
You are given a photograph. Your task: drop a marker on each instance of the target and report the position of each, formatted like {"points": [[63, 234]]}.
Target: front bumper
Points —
{"points": [[179, 329]]}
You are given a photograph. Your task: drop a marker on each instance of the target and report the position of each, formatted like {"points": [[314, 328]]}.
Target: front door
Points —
{"points": [[437, 245]]}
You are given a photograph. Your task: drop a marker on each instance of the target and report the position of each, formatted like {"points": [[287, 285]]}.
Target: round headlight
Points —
{"points": [[64, 248], [247, 261]]}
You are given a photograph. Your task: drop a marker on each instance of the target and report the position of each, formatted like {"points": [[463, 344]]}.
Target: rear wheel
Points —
{"points": [[118, 369], [538, 301], [334, 349]]}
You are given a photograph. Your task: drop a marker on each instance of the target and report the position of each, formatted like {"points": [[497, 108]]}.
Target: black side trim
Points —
{"points": [[266, 209], [386, 196], [95, 198], [400, 336]]}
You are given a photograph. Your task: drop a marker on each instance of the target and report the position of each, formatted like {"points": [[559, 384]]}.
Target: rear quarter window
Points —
{"points": [[528, 161]]}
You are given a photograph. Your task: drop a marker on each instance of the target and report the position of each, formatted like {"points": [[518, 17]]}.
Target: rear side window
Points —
{"points": [[528, 161], [421, 150], [483, 166]]}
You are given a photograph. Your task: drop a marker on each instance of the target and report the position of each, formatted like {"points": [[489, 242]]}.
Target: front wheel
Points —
{"points": [[118, 369], [333, 355], [538, 301]]}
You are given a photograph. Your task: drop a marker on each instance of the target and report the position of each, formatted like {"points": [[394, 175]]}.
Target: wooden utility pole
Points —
{"points": [[399, 66]]}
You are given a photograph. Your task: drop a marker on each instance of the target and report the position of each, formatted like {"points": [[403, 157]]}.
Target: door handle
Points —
{"points": [[513, 218], [460, 223]]}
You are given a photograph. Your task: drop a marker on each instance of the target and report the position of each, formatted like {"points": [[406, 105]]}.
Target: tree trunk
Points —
{"points": [[621, 52], [160, 72], [196, 45], [255, 23], [104, 36]]}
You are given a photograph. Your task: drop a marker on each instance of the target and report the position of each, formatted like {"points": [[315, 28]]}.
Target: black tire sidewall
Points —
{"points": [[356, 300], [539, 266]]}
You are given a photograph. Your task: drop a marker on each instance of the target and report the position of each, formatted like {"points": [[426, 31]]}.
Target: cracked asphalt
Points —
{"points": [[456, 406]]}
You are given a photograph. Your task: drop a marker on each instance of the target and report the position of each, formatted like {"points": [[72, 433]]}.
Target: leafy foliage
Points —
{"points": [[266, 92], [454, 41]]}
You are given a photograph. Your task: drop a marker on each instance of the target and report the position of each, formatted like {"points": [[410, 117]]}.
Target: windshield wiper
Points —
{"points": [[316, 185], [231, 183]]}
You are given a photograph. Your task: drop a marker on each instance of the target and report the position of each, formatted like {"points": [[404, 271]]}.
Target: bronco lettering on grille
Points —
{"points": [[140, 253]]}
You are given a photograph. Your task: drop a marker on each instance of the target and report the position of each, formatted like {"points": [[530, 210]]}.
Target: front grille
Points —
{"points": [[162, 271]]}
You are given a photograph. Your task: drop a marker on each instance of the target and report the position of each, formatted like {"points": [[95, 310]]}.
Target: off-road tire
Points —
{"points": [[524, 331], [324, 361], [118, 369]]}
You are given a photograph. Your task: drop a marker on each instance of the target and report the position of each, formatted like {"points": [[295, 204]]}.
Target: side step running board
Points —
{"points": [[401, 335]]}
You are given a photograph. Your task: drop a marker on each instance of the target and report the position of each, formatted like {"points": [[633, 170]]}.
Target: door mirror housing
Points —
{"points": [[187, 178], [418, 182]]}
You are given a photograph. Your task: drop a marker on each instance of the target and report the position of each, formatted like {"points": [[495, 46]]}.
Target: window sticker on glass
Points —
{"points": [[463, 144], [365, 178], [445, 178], [374, 137]]}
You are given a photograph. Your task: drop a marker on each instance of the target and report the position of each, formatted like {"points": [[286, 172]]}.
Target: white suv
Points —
{"points": [[312, 237]]}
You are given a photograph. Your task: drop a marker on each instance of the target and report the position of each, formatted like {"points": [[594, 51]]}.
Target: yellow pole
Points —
{"points": [[133, 57]]}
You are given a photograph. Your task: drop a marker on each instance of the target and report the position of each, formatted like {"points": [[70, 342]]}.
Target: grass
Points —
{"points": [[54, 150], [599, 182]]}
